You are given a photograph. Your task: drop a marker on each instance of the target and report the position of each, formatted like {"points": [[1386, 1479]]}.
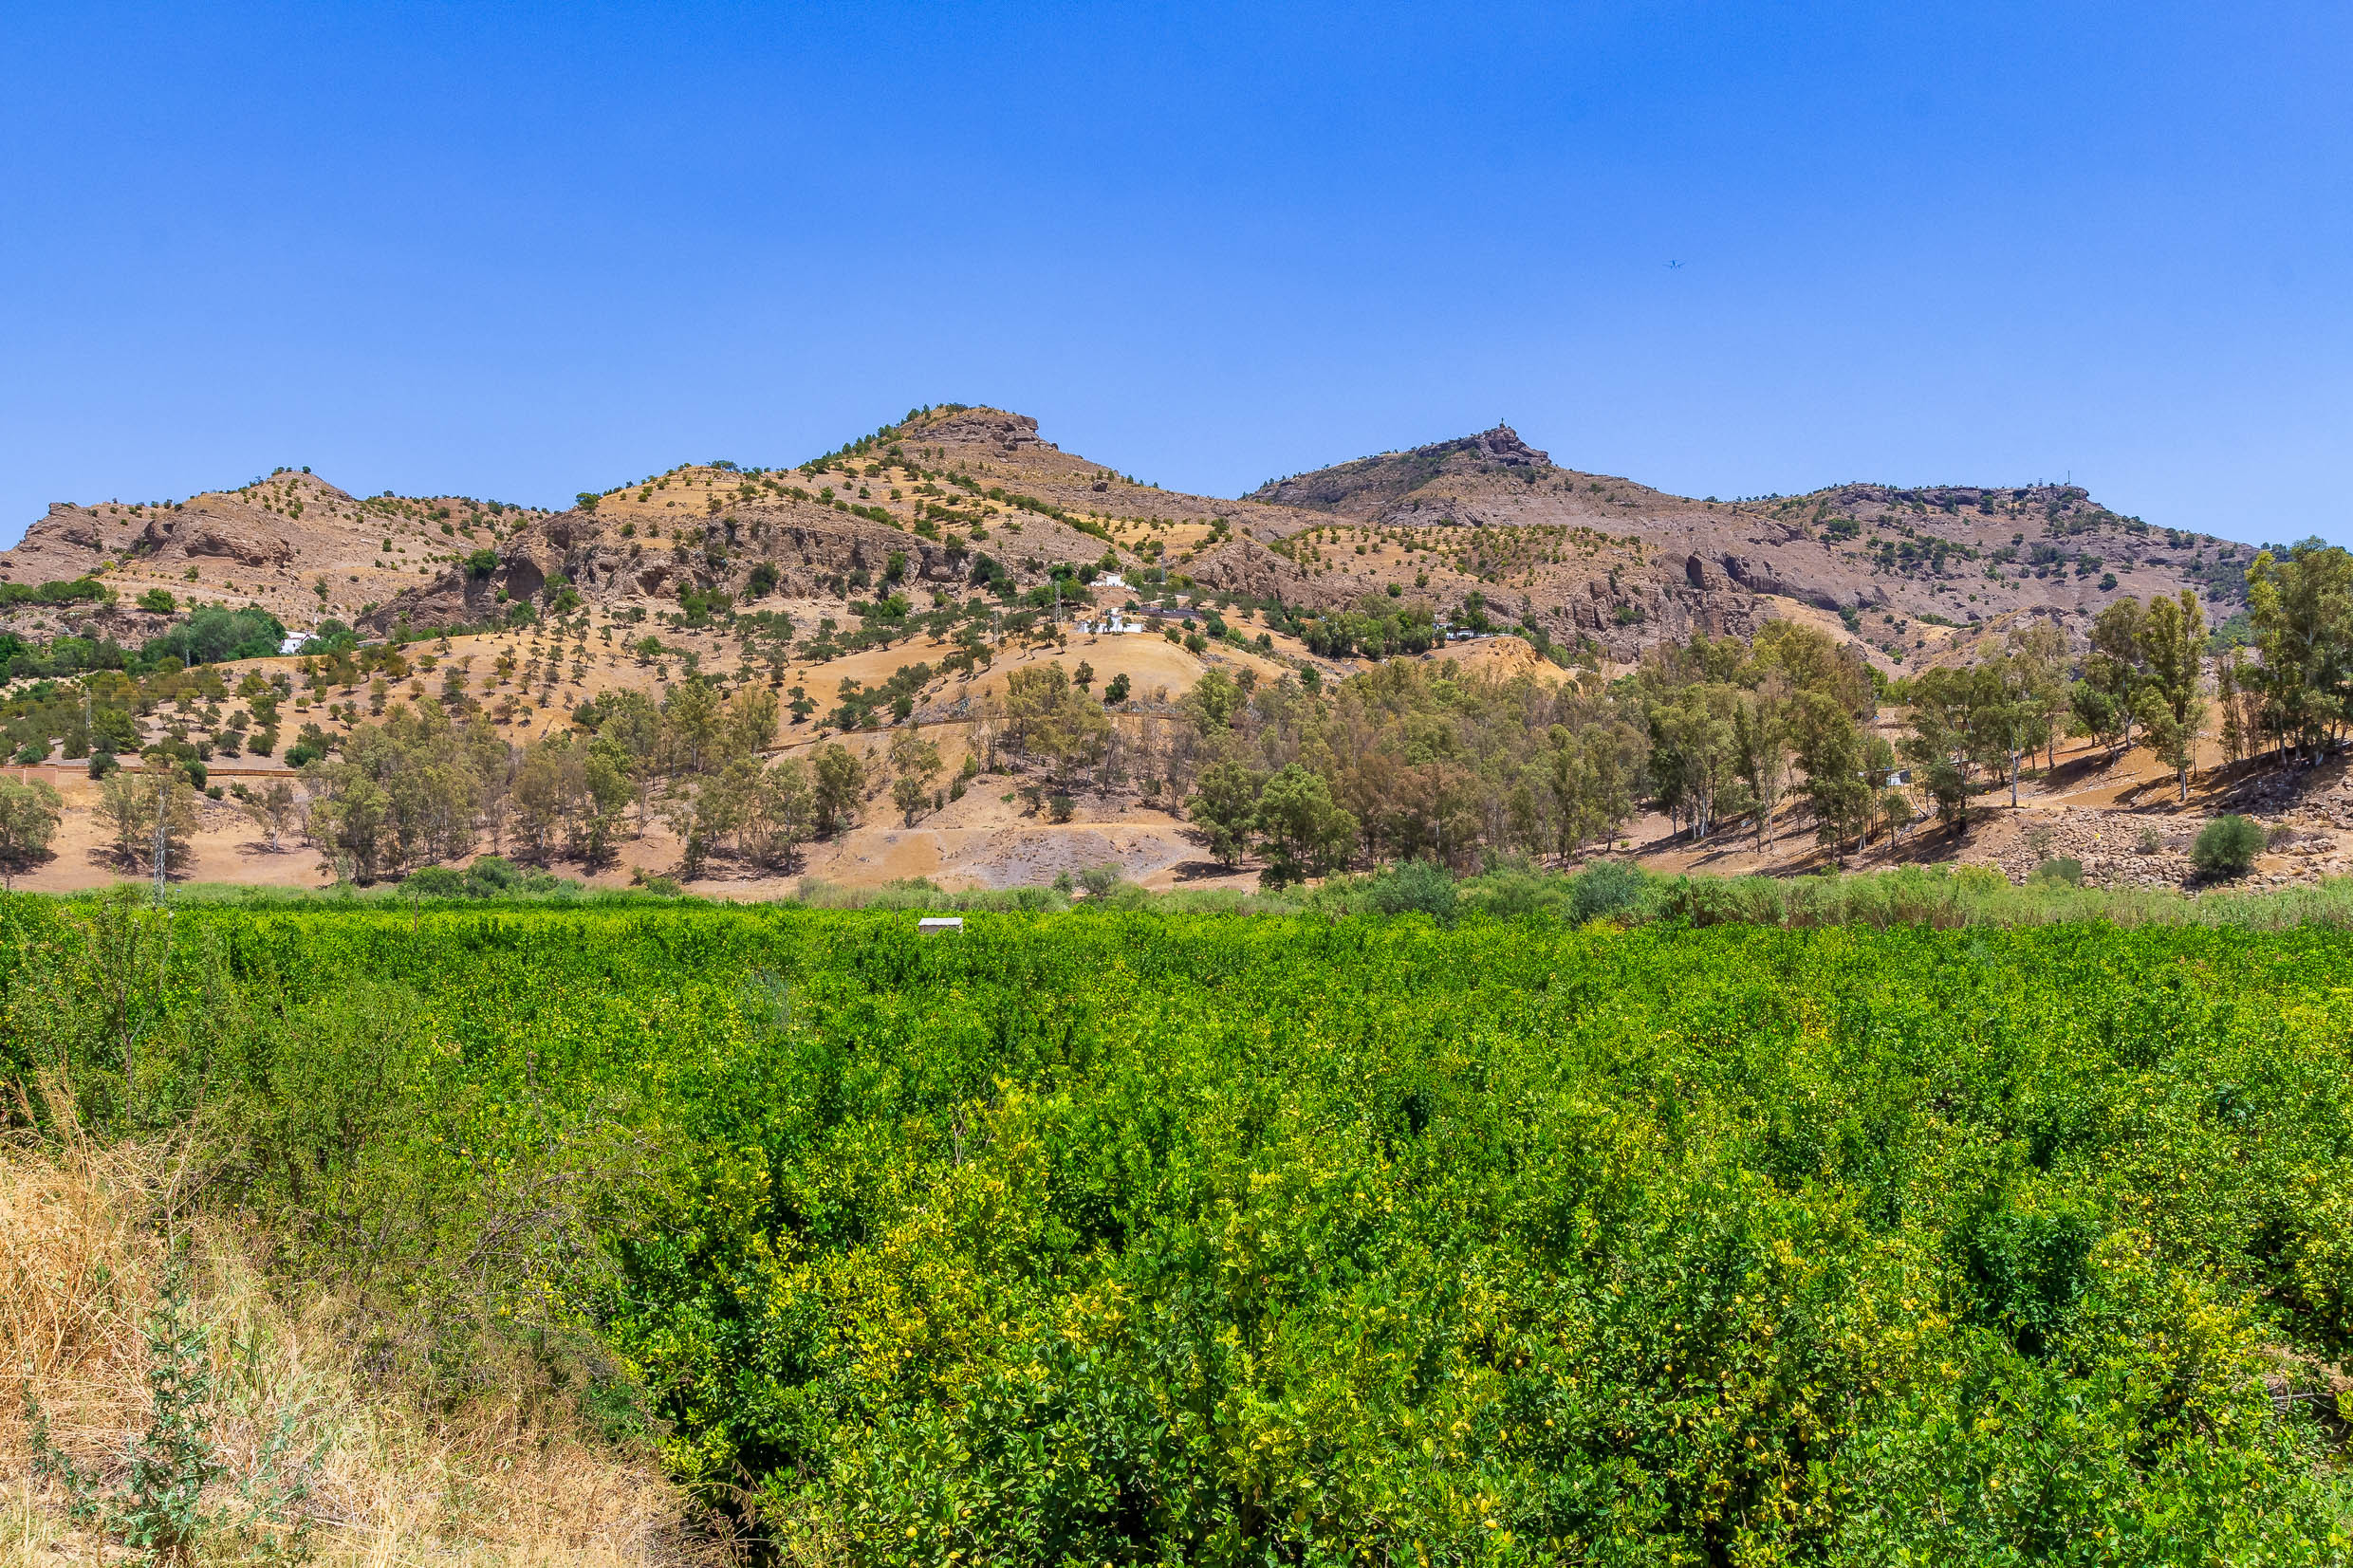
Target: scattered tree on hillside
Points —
{"points": [[915, 763], [29, 817]]}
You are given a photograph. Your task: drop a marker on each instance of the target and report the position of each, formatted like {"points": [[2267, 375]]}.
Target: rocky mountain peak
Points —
{"points": [[1503, 445]]}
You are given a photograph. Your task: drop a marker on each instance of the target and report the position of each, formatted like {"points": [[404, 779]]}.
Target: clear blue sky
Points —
{"points": [[519, 252]]}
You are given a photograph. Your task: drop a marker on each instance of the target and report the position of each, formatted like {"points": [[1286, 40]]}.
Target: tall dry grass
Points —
{"points": [[87, 1233]]}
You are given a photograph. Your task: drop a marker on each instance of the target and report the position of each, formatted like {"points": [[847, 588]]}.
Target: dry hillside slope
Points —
{"points": [[1589, 561], [1574, 548]]}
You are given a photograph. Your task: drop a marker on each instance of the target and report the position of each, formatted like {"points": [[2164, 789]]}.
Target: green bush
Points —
{"points": [[212, 635], [2061, 868], [1608, 887], [1415, 887], [436, 882], [2227, 846]]}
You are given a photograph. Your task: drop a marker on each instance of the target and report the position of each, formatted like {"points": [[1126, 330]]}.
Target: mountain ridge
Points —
{"points": [[1483, 527]]}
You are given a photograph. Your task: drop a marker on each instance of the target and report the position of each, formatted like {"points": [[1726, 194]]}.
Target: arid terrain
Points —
{"points": [[713, 568]]}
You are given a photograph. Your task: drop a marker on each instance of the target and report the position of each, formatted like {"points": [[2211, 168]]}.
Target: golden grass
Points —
{"points": [[84, 1236]]}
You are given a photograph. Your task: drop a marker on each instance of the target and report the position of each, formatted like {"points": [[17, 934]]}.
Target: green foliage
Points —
{"points": [[1415, 887], [1120, 1235], [488, 876], [1301, 828], [82, 590], [212, 635], [1611, 888], [2063, 867], [2227, 846], [1225, 808], [840, 786], [1373, 629]]}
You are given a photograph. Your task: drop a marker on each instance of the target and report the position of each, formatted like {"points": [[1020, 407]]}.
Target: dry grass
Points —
{"points": [[84, 1237]]}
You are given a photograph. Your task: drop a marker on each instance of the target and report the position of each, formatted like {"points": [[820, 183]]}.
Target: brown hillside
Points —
{"points": [[276, 542], [1592, 560], [1901, 563]]}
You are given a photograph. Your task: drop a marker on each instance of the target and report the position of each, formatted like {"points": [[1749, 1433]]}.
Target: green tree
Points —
{"points": [[2227, 846], [1306, 833], [271, 809], [1213, 702], [781, 815], [1761, 754], [1829, 750], [29, 817], [2112, 674], [915, 763], [1696, 754], [1224, 807], [2172, 640], [2039, 650], [840, 787], [2301, 606]]}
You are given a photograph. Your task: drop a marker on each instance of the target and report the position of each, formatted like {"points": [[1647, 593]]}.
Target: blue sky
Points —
{"points": [[517, 251]]}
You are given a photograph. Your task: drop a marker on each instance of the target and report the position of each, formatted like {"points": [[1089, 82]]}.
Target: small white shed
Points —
{"points": [[932, 925]]}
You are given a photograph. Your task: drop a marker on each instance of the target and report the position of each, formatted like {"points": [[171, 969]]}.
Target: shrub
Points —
{"points": [[212, 635], [1609, 888], [2227, 846], [2063, 867], [1415, 887], [435, 882]]}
